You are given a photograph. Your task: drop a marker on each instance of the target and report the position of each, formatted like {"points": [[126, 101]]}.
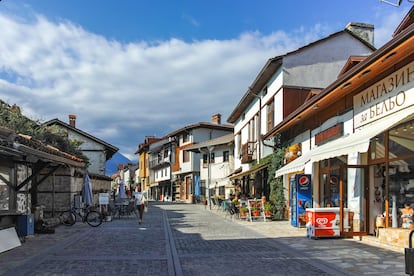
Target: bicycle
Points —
{"points": [[93, 218]]}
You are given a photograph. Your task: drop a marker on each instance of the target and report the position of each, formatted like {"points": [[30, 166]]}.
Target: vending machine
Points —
{"points": [[300, 198]]}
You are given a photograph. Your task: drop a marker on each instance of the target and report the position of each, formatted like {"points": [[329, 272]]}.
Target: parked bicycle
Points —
{"points": [[93, 218]]}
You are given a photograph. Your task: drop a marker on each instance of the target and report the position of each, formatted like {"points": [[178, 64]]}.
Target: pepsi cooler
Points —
{"points": [[300, 198]]}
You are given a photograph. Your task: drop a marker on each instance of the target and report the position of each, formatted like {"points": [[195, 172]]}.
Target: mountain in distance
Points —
{"points": [[111, 165]]}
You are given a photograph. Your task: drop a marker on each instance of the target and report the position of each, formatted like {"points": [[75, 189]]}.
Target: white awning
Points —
{"points": [[296, 165], [352, 143], [359, 141]]}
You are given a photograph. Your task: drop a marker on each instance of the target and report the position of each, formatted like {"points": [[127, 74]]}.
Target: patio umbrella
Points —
{"points": [[197, 185], [87, 191], [122, 193]]}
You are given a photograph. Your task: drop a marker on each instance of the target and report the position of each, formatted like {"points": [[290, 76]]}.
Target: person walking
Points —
{"points": [[140, 201]]}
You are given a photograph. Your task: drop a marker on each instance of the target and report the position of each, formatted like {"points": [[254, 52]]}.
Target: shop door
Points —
{"points": [[354, 207]]}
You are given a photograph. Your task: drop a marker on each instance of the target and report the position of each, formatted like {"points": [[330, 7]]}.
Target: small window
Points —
{"points": [[186, 137], [226, 156], [212, 157], [270, 115], [186, 156]]}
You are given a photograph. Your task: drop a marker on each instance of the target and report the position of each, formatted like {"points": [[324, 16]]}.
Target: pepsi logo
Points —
{"points": [[303, 180], [322, 221]]}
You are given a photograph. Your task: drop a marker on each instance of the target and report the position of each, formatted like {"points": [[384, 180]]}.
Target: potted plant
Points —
{"points": [[268, 209], [243, 211], [255, 211]]}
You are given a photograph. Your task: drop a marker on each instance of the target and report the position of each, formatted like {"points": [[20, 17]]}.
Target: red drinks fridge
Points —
{"points": [[300, 198], [325, 222]]}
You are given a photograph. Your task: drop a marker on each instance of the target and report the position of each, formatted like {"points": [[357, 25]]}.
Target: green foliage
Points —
{"points": [[268, 206], [12, 118], [277, 193]]}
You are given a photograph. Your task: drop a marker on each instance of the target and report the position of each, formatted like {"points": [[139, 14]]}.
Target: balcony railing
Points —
{"points": [[156, 163]]}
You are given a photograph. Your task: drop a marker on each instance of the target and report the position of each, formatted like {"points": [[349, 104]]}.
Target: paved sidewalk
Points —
{"points": [[359, 256]]}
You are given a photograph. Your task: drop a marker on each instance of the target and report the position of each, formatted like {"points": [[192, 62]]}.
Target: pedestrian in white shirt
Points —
{"points": [[140, 203]]}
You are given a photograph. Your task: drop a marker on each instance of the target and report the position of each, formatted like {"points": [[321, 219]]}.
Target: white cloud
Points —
{"points": [[387, 23], [124, 92]]}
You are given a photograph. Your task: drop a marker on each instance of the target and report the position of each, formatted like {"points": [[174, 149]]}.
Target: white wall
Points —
{"points": [[319, 66], [93, 150]]}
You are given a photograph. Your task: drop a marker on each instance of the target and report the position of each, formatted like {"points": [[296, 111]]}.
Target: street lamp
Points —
{"points": [[170, 140], [210, 149], [208, 152]]}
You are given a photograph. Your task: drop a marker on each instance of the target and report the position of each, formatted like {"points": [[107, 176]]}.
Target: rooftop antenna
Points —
{"points": [[391, 3]]}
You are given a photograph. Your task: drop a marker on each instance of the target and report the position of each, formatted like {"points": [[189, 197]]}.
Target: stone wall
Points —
{"points": [[100, 186], [397, 237], [56, 192]]}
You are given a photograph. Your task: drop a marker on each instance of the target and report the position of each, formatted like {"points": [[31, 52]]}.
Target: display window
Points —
{"points": [[395, 175]]}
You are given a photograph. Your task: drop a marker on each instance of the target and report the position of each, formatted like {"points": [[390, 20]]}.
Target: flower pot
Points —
{"points": [[256, 213], [243, 215]]}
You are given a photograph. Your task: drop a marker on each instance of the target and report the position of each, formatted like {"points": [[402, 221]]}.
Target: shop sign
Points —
{"points": [[387, 96], [103, 198], [329, 134]]}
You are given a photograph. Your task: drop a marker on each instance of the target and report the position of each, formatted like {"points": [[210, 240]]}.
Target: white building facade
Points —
{"points": [[283, 85]]}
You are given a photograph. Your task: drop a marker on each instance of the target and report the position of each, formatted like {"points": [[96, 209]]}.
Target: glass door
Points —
{"points": [[355, 198]]}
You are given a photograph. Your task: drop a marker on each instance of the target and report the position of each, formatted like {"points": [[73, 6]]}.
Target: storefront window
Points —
{"points": [[401, 191], [401, 174], [401, 141], [377, 147]]}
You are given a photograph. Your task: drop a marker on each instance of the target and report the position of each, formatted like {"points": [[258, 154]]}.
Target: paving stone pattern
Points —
{"points": [[184, 239]]}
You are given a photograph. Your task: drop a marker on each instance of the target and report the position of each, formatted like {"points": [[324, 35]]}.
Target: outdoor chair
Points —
{"points": [[213, 203], [231, 210], [220, 204], [131, 208]]}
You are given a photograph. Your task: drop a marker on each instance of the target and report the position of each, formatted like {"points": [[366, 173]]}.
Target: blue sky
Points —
{"points": [[133, 68]]}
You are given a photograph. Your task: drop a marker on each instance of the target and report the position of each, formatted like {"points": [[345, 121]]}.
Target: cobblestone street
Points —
{"points": [[184, 239]]}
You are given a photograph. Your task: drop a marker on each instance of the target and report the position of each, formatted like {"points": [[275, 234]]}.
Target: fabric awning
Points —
{"points": [[352, 143], [359, 141], [294, 166], [249, 171]]}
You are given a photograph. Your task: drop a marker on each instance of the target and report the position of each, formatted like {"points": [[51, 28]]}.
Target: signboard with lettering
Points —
{"points": [[103, 198], [387, 96]]}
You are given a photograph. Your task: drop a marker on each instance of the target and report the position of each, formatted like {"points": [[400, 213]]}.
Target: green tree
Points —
{"points": [[12, 118], [277, 192]]}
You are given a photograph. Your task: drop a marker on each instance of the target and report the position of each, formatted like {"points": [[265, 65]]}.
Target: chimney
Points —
{"points": [[216, 118], [363, 30], [72, 120]]}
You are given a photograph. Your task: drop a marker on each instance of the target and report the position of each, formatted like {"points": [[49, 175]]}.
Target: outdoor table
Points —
{"points": [[122, 208]]}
